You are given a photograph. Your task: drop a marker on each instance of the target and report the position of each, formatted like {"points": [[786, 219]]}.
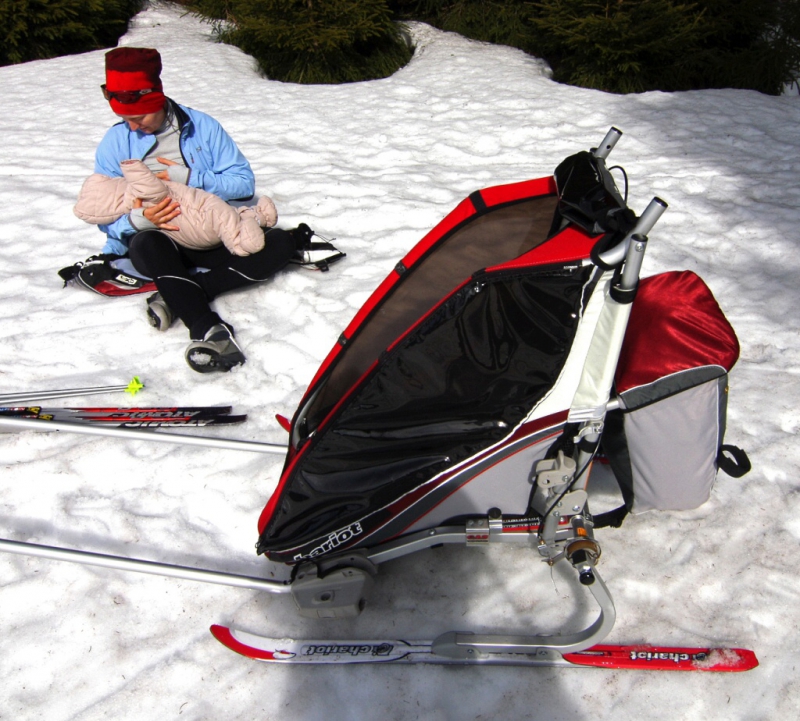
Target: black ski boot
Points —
{"points": [[218, 351], [158, 313]]}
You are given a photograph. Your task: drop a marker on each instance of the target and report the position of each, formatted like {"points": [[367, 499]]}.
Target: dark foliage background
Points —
{"points": [[635, 45], [619, 46], [38, 29], [313, 41]]}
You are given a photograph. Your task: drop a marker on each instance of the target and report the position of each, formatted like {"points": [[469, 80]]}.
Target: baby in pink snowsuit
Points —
{"points": [[205, 219]]}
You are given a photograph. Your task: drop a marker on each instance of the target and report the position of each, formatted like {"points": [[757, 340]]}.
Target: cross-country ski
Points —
{"points": [[640, 657], [157, 417]]}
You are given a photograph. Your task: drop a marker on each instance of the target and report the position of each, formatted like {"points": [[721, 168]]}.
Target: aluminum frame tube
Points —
{"points": [[154, 568], [609, 141], [654, 210], [472, 646]]}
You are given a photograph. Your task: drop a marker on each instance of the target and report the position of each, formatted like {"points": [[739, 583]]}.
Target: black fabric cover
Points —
{"points": [[458, 383]]}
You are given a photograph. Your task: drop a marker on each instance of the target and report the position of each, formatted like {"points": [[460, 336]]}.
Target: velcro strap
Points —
{"points": [[733, 460]]}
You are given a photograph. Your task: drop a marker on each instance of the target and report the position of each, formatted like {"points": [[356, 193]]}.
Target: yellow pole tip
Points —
{"points": [[134, 386]]}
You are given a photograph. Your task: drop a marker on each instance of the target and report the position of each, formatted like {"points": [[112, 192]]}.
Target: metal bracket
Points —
{"points": [[339, 593]]}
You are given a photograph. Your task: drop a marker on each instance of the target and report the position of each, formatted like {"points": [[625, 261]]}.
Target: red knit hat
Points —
{"points": [[129, 70]]}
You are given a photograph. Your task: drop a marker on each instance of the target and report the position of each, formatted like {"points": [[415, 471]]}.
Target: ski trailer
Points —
{"points": [[469, 399]]}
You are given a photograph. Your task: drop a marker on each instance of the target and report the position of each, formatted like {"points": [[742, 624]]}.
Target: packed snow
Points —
{"points": [[376, 165]]}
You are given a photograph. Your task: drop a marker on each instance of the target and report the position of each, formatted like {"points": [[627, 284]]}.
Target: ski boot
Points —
{"points": [[218, 351]]}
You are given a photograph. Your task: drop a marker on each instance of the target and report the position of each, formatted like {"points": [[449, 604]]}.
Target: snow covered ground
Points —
{"points": [[376, 165]]}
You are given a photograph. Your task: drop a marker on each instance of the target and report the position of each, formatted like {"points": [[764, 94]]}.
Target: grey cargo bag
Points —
{"points": [[665, 441]]}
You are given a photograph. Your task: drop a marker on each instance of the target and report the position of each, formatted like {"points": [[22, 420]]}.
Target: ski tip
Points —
{"points": [[226, 637], [134, 386]]}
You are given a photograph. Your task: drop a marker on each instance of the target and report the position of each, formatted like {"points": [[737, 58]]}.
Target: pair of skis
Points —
{"points": [[151, 417], [391, 651], [113, 417]]}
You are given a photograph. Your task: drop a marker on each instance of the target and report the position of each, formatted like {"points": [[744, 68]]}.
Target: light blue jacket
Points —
{"points": [[215, 164]]}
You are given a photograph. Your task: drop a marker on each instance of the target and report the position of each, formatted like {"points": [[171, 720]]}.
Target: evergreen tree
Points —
{"points": [[617, 45], [313, 41], [38, 29], [635, 45], [505, 22]]}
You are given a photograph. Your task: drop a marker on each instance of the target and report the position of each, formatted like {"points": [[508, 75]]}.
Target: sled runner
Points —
{"points": [[466, 403]]}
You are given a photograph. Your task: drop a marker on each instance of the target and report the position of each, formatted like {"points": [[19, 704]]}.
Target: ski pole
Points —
{"points": [[33, 424], [154, 568], [6, 398]]}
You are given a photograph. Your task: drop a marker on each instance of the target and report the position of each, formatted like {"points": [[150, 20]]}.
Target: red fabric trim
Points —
{"points": [[359, 318], [149, 104], [463, 211], [519, 191], [138, 79], [119, 80], [571, 245], [675, 324]]}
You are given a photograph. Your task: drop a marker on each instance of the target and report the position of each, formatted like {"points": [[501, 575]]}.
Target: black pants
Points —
{"points": [[188, 294]]}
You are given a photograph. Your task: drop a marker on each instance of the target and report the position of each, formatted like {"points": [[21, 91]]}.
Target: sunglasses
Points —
{"points": [[126, 97]]}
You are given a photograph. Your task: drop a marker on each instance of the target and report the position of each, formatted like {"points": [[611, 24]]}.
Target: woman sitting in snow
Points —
{"points": [[205, 219], [186, 147]]}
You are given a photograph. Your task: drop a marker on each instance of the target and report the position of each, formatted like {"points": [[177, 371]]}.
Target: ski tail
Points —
{"points": [[665, 658]]}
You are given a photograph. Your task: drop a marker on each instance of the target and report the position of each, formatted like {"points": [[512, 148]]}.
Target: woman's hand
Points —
{"points": [[164, 174], [161, 213]]}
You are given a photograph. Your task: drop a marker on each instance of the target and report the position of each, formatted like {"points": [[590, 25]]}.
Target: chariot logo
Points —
{"points": [[125, 279], [666, 656], [334, 540], [348, 649]]}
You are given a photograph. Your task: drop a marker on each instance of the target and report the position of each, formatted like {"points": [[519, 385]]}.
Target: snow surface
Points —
{"points": [[376, 165]]}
